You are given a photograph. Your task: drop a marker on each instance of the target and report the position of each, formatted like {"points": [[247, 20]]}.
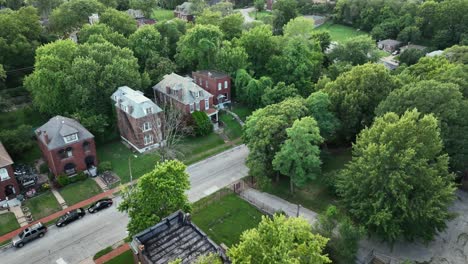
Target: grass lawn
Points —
{"points": [[124, 258], [102, 252], [8, 223], [260, 15], [162, 14], [43, 205], [79, 191], [315, 195], [242, 111], [340, 33], [226, 219], [232, 128]]}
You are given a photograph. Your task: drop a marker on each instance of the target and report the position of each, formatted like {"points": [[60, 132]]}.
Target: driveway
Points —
{"points": [[82, 239], [245, 13]]}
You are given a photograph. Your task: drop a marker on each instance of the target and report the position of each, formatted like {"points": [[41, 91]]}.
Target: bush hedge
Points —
{"points": [[203, 125], [64, 180]]}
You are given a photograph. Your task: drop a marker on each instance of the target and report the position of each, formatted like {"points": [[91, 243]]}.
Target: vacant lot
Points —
{"points": [[232, 128], [340, 33], [8, 223], [162, 14], [79, 191], [225, 220], [43, 205]]}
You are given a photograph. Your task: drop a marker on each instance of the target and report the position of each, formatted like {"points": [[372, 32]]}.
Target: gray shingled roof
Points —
{"points": [[175, 237], [57, 128], [185, 8], [186, 85], [5, 158], [391, 42], [127, 97]]}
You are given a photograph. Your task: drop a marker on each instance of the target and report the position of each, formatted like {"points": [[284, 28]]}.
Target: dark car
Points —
{"points": [[99, 205], [70, 217], [28, 234]]}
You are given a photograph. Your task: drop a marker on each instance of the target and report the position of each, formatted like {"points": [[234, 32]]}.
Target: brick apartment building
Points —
{"points": [[182, 93], [8, 184], [216, 83], [139, 119], [67, 146]]}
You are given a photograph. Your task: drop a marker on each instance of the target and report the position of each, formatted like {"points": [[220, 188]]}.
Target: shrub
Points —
{"points": [[44, 168], [105, 166], [63, 180], [203, 125], [44, 187], [17, 141]]}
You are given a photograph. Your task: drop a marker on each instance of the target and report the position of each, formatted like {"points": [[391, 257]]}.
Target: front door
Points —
{"points": [[10, 191]]}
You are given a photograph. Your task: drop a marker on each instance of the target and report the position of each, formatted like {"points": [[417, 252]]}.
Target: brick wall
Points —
{"points": [[11, 181], [212, 86]]}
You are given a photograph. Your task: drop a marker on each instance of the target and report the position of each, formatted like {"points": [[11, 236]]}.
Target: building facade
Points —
{"points": [[8, 185], [67, 147], [216, 83], [185, 95], [139, 119], [184, 12]]}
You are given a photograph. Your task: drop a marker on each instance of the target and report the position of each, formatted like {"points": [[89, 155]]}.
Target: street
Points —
{"points": [[82, 239]]}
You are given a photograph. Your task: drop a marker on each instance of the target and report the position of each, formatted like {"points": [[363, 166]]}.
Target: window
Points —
{"points": [[70, 138], [225, 84], [191, 108], [207, 104], [86, 146], [68, 152], [220, 86], [149, 110], [206, 84], [158, 122], [197, 94], [197, 105], [126, 109], [148, 139], [146, 126], [4, 174]]}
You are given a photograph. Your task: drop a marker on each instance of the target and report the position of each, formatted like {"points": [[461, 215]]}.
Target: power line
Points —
{"points": [[20, 69]]}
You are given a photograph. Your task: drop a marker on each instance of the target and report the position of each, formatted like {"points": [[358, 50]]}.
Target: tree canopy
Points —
{"points": [[72, 15], [357, 50], [397, 183], [118, 21], [283, 11]]}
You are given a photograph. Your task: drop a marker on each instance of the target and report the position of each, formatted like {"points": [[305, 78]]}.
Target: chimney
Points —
{"points": [[188, 218], [168, 90], [209, 74], [46, 137]]}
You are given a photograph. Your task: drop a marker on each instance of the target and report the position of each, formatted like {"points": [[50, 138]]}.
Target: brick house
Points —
{"points": [[183, 94], [67, 146], [139, 119], [389, 45], [8, 184], [216, 83], [175, 237], [184, 12]]}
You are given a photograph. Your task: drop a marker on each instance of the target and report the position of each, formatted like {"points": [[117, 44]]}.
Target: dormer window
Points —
{"points": [[4, 174], [149, 110], [197, 94], [70, 138]]}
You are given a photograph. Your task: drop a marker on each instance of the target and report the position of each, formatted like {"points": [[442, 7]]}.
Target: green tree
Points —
{"points": [[118, 21], [355, 95], [198, 6], [44, 6], [457, 54], [145, 42], [230, 59], [157, 66], [18, 141], [101, 30], [299, 27], [319, 106], [280, 240], [224, 7], [409, 34], [411, 56], [278, 93], [283, 11], [198, 48], [171, 31], [357, 50], [203, 125], [299, 156], [265, 131], [145, 5], [157, 194], [396, 169], [72, 15], [232, 26], [259, 5], [208, 17], [446, 102]]}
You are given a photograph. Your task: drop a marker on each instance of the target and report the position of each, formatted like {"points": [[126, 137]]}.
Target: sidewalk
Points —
{"points": [[273, 204], [59, 198], [60, 213], [114, 253]]}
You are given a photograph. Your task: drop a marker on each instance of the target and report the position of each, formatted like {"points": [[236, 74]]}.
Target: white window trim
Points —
{"points": [[74, 137], [69, 153], [207, 104], [220, 86], [192, 107], [4, 175], [146, 126], [148, 139], [225, 84], [149, 110], [158, 122]]}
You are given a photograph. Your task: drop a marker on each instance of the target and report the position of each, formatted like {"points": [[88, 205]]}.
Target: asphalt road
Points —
{"points": [[82, 239]]}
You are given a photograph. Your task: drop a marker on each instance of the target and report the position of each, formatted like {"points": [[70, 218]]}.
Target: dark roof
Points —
{"points": [[57, 128], [390, 42], [5, 159], [175, 237], [212, 74]]}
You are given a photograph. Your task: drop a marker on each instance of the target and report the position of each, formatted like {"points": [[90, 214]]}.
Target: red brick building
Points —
{"points": [[67, 146], [184, 12], [216, 83], [139, 119], [182, 93], [8, 185]]}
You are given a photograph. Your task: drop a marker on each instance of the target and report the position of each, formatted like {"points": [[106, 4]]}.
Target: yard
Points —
{"points": [[43, 205], [315, 195], [162, 14], [79, 191], [262, 15], [340, 33], [124, 258], [8, 223], [242, 111], [225, 220], [232, 128]]}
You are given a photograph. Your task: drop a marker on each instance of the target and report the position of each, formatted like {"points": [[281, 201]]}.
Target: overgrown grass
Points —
{"points": [[315, 195], [260, 15], [232, 128], [124, 258], [79, 191], [242, 111], [340, 33], [8, 223], [102, 252], [162, 14], [43, 205], [226, 219]]}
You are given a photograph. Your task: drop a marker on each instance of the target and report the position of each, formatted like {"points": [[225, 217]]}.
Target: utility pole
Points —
{"points": [[298, 208]]}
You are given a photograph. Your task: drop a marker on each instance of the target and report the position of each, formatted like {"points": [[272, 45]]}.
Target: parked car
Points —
{"points": [[28, 234], [99, 205], [70, 217]]}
